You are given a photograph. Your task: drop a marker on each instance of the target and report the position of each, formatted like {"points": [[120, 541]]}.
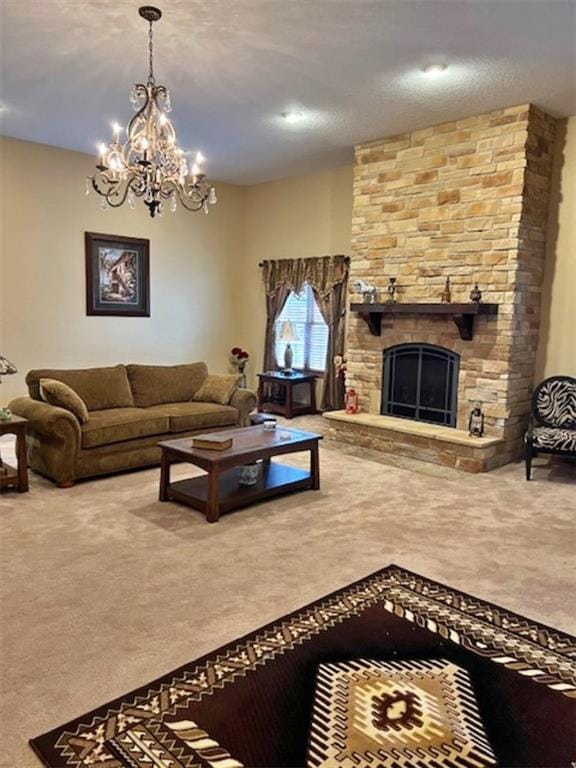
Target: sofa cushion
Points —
{"points": [[60, 394], [217, 389], [157, 384], [186, 416], [99, 388], [117, 424]]}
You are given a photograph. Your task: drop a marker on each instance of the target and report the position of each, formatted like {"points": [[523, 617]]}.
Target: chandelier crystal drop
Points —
{"points": [[148, 163]]}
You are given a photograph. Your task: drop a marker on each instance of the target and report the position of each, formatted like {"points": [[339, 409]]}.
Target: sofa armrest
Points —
{"points": [[53, 438], [47, 419], [244, 400]]}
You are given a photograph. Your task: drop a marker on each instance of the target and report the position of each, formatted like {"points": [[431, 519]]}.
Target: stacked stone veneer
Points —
{"points": [[466, 200]]}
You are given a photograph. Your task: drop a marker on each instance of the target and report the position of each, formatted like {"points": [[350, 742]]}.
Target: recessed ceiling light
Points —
{"points": [[292, 116], [433, 70]]}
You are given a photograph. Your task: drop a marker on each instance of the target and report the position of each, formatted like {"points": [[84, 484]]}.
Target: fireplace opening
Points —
{"points": [[420, 382]]}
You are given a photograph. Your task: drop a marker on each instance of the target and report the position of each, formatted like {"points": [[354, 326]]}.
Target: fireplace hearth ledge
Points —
{"points": [[434, 431], [428, 442]]}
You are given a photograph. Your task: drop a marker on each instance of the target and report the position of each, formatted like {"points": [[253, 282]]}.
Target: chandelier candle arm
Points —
{"points": [[149, 164]]}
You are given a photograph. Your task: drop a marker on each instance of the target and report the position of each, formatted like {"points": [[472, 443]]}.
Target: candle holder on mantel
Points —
{"points": [[392, 287], [476, 294], [446, 293]]}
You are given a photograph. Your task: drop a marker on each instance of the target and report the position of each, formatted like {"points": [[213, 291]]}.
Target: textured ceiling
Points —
{"points": [[352, 67]]}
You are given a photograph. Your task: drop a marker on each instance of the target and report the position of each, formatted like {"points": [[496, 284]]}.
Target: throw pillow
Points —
{"points": [[217, 389], [60, 394]]}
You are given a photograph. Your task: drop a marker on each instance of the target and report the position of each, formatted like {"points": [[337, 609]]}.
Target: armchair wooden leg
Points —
{"points": [[529, 455]]}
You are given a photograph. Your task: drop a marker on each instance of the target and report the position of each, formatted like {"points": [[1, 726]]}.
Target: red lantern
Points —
{"points": [[351, 401]]}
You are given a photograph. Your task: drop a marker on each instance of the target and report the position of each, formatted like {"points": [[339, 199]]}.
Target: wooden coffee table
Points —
{"points": [[220, 490]]}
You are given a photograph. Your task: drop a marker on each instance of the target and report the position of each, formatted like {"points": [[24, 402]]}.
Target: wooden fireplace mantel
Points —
{"points": [[462, 314]]}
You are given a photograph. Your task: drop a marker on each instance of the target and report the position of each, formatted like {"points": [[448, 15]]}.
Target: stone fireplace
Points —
{"points": [[466, 200]]}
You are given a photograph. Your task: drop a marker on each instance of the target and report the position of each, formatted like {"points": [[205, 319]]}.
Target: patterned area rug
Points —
{"points": [[513, 682]]}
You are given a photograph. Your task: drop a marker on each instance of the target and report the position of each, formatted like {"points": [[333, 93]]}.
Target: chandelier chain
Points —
{"points": [[151, 54]]}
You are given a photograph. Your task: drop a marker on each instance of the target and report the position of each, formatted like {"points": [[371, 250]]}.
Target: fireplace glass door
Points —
{"points": [[420, 382]]}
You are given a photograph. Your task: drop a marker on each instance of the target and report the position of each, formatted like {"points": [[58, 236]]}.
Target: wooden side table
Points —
{"points": [[276, 393], [11, 477]]}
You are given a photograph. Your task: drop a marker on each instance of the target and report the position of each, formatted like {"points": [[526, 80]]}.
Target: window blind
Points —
{"points": [[310, 349]]}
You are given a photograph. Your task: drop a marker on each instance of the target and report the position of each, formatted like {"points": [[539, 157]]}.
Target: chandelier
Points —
{"points": [[148, 163]]}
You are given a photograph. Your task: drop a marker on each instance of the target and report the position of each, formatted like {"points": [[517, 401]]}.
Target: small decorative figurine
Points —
{"points": [[351, 402], [340, 366], [476, 294], [476, 421], [369, 292], [392, 290], [446, 295]]}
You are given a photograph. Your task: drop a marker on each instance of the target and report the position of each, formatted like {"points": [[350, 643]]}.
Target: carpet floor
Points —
{"points": [[103, 588]]}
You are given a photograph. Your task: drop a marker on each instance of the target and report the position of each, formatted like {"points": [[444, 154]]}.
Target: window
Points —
{"points": [[310, 349]]}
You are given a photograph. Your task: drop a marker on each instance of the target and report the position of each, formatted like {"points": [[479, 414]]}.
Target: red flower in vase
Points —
{"points": [[239, 357]]}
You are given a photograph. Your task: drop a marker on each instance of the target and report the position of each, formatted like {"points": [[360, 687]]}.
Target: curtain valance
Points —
{"points": [[322, 273]]}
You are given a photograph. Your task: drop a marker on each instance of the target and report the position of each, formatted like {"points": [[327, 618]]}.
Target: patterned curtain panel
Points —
{"points": [[333, 308], [328, 278]]}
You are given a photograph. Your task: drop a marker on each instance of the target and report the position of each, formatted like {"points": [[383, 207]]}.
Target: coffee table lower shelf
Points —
{"points": [[275, 479]]}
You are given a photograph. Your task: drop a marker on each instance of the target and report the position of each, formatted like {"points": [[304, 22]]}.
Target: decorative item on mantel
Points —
{"points": [[289, 335], [446, 293], [6, 369], [476, 294], [149, 163], [369, 292], [239, 358], [392, 288], [476, 421]]}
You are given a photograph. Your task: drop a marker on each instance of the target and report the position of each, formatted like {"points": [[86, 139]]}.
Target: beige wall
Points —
{"points": [[293, 218], [43, 322], [557, 348]]}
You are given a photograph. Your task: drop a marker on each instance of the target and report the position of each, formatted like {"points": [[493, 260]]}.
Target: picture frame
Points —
{"points": [[117, 275]]}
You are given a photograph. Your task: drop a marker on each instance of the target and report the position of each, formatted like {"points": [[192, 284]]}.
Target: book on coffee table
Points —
{"points": [[212, 442]]}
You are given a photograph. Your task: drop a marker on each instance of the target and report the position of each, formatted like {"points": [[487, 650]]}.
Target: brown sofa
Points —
{"points": [[131, 408]]}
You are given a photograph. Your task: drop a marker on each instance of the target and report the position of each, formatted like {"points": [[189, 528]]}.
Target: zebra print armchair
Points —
{"points": [[553, 424]]}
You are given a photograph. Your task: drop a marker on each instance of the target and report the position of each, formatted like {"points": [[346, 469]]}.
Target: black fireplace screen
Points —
{"points": [[420, 382]]}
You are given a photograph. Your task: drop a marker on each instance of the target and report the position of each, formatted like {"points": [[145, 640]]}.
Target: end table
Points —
{"points": [[11, 477], [276, 393]]}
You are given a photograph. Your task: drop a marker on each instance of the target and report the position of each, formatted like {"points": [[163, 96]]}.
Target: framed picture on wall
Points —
{"points": [[117, 275]]}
